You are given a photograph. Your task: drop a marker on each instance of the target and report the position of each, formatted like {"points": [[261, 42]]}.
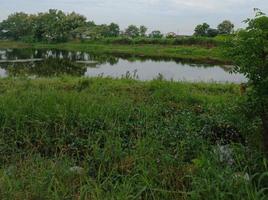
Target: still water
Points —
{"points": [[48, 63]]}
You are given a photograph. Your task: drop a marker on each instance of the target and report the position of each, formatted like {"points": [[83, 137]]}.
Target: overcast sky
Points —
{"points": [[180, 16]]}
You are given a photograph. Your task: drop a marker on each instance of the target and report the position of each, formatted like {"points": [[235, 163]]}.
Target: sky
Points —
{"points": [[179, 16]]}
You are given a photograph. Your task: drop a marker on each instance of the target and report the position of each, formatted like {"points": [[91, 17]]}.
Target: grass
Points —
{"points": [[131, 140], [186, 52]]}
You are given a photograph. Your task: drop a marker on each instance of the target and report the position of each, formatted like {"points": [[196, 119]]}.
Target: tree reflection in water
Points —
{"points": [[53, 62]]}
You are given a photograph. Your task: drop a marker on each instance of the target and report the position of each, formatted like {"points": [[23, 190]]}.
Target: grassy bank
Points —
{"points": [[127, 139], [191, 53], [181, 40]]}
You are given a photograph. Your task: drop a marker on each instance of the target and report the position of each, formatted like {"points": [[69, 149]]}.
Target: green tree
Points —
{"points": [[171, 35], [56, 26], [2, 31], [156, 34], [201, 29], [73, 21], [94, 31], [114, 30], [226, 27], [143, 30], [249, 51], [132, 31], [211, 32], [97, 32], [50, 26], [16, 26], [81, 32]]}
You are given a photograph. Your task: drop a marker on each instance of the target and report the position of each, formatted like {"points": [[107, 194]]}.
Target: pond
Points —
{"points": [[48, 63]]}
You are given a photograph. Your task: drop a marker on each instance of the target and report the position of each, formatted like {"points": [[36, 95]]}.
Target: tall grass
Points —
{"points": [[132, 140]]}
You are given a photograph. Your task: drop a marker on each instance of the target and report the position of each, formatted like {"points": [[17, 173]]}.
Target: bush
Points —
{"points": [[186, 40], [28, 39], [202, 41]]}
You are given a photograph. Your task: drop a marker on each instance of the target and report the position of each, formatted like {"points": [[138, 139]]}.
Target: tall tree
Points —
{"points": [[201, 29], [73, 21], [143, 30], [132, 31], [226, 27], [249, 51], [16, 26], [211, 32], [2, 31], [114, 30], [156, 34], [56, 26], [50, 26]]}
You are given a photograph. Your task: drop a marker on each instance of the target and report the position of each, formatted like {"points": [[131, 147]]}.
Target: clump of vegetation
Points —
{"points": [[250, 55], [53, 26], [224, 28], [182, 40], [71, 138]]}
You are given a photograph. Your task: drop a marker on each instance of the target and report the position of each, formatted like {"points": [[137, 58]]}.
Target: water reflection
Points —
{"points": [[47, 67], [168, 70], [46, 63]]}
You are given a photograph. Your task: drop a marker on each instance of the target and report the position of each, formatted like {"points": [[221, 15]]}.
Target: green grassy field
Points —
{"points": [[192, 53], [80, 138]]}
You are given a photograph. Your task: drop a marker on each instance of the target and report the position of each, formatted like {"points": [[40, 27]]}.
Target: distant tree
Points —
{"points": [[211, 32], [103, 30], [171, 35], [226, 27], [2, 32], [90, 24], [132, 31], [201, 29], [81, 32], [84, 32], [73, 21], [113, 30], [16, 26], [51, 26], [143, 31], [248, 50], [98, 31], [93, 31], [156, 34]]}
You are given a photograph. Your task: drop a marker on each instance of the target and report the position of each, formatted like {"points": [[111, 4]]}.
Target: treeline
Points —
{"points": [[57, 26], [179, 40], [224, 28]]}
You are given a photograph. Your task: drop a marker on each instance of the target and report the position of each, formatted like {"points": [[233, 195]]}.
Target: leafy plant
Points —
{"points": [[249, 51]]}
